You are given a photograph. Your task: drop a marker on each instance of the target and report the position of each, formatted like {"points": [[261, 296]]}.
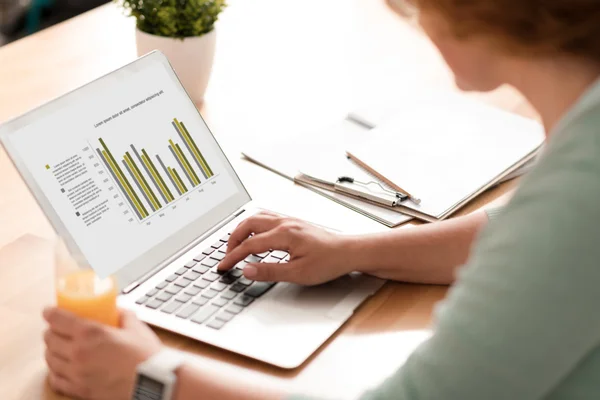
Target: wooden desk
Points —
{"points": [[307, 62]]}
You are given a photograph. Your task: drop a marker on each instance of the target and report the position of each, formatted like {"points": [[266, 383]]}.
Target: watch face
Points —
{"points": [[148, 389]]}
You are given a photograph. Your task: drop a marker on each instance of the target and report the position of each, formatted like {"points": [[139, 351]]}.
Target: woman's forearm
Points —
{"points": [[424, 254], [195, 383]]}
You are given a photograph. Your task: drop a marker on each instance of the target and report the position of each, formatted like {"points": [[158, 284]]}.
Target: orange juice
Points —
{"points": [[88, 296]]}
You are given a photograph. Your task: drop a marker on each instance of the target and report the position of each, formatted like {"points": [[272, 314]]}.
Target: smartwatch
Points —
{"points": [[156, 377]]}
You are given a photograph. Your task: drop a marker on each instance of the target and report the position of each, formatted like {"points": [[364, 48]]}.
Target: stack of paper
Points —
{"points": [[444, 149]]}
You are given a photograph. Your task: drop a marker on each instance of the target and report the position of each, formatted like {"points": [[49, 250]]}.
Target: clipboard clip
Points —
{"points": [[399, 197], [381, 178], [348, 179]]}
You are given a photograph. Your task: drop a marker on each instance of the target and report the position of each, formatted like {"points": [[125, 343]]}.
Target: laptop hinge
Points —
{"points": [[130, 288], [133, 285]]}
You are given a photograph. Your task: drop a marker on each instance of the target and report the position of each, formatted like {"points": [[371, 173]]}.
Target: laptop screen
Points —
{"points": [[125, 167]]}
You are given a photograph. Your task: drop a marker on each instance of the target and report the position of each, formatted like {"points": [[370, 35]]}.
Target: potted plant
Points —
{"points": [[184, 31]]}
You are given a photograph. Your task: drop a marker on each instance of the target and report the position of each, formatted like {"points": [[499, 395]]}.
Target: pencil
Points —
{"points": [[382, 178]]}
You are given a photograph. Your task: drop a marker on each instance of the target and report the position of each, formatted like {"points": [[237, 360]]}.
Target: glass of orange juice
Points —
{"points": [[81, 291]]}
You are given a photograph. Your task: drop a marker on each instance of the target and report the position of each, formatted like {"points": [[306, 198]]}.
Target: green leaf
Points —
{"points": [[174, 18]]}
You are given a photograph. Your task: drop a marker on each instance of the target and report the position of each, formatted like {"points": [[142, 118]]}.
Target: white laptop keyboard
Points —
{"points": [[203, 295]]}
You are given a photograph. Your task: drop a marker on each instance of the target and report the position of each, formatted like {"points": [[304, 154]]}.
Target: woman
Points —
{"points": [[521, 321]]}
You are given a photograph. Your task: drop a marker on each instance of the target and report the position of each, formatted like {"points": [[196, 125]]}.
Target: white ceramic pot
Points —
{"points": [[192, 58]]}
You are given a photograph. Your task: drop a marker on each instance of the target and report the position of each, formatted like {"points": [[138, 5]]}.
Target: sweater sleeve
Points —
{"points": [[523, 315], [494, 213]]}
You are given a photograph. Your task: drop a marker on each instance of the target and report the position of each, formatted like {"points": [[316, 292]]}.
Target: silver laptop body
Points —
{"points": [[132, 179]]}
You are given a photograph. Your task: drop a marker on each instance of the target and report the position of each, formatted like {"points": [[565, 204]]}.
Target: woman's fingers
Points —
{"points": [[259, 243], [62, 385], [58, 344], [60, 321], [272, 272], [257, 224], [57, 364]]}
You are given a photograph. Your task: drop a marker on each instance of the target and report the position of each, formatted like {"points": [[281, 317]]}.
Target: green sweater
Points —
{"points": [[523, 319]]}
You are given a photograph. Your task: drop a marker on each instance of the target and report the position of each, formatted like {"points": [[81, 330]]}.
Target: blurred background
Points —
{"points": [[19, 18]]}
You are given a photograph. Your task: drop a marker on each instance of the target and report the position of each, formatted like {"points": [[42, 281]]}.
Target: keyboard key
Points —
{"points": [[225, 238], [154, 304], [271, 259], [217, 256], [192, 290], [242, 264], [173, 289], [164, 296], [286, 258], [216, 324], [152, 292], [171, 307], [223, 249], [208, 251], [238, 288], [210, 276], [217, 245], [229, 294], [142, 300], [245, 281], [162, 285], [201, 269], [181, 271], [243, 300], [171, 278], [218, 286], [190, 264], [182, 282], [227, 279], [259, 288], [262, 255], [199, 257], [200, 301], [183, 298], [236, 273], [192, 275], [233, 309], [252, 259], [220, 302], [210, 262], [201, 283], [209, 294], [225, 316], [279, 254], [187, 311], [205, 313]]}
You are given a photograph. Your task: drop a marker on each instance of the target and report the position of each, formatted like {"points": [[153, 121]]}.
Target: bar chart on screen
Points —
{"points": [[152, 180], [126, 166]]}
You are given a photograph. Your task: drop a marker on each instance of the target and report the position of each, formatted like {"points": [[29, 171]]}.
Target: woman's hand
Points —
{"points": [[88, 360], [317, 256]]}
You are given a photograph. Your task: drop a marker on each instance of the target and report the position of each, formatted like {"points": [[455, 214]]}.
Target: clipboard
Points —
{"points": [[387, 216]]}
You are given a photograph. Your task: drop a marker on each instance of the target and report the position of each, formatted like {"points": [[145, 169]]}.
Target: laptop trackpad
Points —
{"points": [[318, 299]]}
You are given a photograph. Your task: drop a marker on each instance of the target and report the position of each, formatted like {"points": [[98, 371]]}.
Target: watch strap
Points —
{"points": [[167, 360], [156, 377]]}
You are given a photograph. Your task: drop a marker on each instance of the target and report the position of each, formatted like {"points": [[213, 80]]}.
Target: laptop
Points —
{"points": [[132, 179]]}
